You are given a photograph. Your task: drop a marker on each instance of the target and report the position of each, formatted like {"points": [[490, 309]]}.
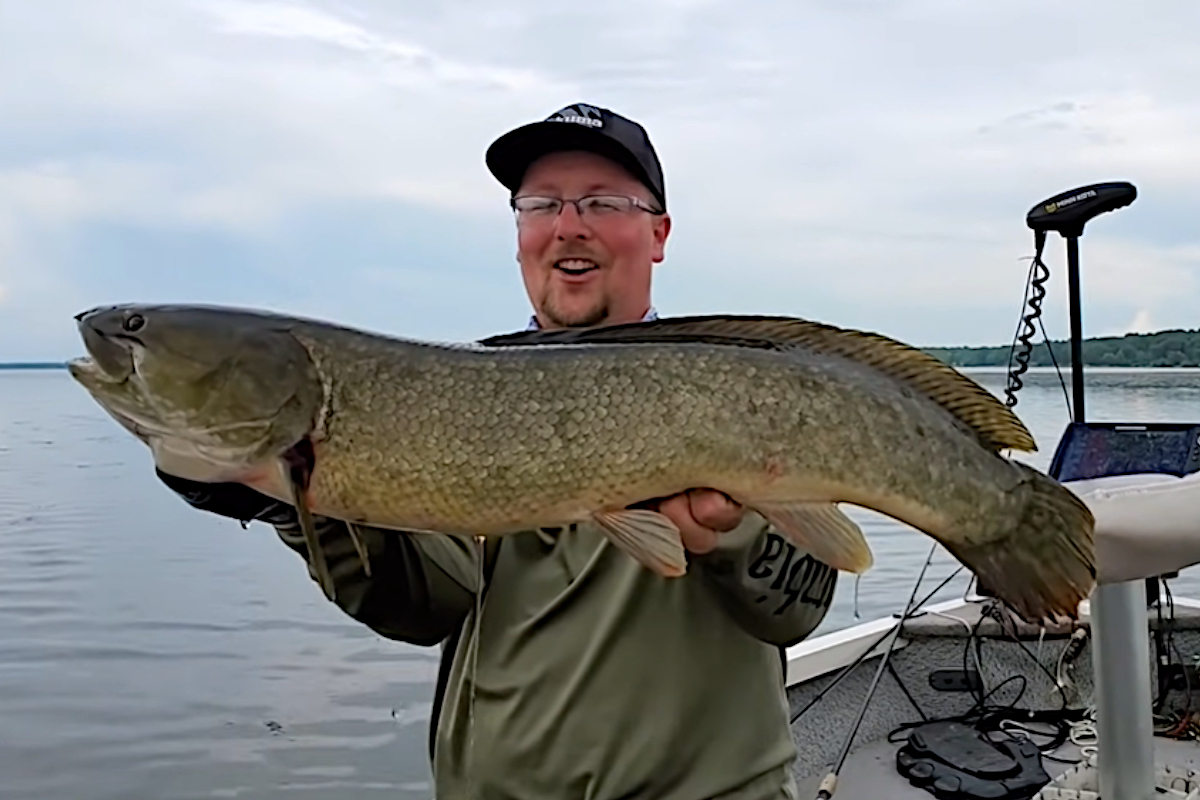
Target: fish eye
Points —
{"points": [[134, 323]]}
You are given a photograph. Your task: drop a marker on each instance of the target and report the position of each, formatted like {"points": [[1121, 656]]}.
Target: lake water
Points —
{"points": [[151, 651]]}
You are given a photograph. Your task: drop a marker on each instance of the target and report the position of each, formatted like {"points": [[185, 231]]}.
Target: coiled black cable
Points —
{"points": [[1035, 292]]}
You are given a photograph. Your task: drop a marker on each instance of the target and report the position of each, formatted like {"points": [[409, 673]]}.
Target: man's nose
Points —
{"points": [[569, 224]]}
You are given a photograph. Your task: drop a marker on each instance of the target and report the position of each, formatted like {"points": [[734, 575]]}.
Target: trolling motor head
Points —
{"points": [[1068, 212], [1065, 213]]}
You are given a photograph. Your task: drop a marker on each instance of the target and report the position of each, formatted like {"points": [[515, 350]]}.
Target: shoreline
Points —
{"points": [[33, 365], [1064, 368]]}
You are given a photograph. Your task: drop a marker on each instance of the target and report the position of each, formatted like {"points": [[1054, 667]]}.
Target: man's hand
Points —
{"points": [[701, 515], [232, 500]]}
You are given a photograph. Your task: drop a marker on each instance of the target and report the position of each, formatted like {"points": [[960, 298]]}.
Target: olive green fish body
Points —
{"points": [[472, 441], [542, 429]]}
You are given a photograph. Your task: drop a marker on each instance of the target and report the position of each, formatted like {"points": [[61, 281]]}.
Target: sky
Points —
{"points": [[865, 164]]}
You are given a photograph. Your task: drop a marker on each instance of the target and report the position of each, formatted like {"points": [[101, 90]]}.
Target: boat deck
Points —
{"points": [[870, 772], [939, 640]]}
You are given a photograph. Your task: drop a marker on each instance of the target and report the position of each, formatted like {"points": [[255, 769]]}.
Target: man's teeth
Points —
{"points": [[575, 265]]}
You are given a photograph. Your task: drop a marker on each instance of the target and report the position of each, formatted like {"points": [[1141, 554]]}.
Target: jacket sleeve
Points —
{"points": [[421, 585], [776, 592]]}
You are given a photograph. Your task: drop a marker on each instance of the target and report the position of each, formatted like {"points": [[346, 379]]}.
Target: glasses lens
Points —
{"points": [[537, 205], [607, 204]]}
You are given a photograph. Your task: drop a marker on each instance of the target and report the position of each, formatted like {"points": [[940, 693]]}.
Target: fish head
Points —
{"points": [[213, 392]]}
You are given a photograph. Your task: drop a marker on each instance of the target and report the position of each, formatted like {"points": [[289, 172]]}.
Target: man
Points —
{"points": [[569, 670]]}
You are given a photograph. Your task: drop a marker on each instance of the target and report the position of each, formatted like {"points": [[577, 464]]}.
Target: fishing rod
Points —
{"points": [[829, 783], [846, 670]]}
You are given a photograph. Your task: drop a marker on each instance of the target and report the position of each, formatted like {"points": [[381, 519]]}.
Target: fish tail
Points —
{"points": [[1045, 565]]}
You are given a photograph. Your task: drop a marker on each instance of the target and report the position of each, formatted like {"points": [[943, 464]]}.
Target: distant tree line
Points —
{"points": [[1171, 348]]}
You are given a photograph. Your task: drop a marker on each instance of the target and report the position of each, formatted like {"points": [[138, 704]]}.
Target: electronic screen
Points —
{"points": [[1100, 449]]}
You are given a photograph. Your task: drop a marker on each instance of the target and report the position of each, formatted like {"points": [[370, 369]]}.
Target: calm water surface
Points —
{"points": [[151, 651]]}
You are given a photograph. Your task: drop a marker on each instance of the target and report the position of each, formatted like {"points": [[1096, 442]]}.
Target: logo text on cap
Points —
{"points": [[580, 115]]}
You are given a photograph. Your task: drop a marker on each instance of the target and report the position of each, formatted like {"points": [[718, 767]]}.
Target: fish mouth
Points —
{"points": [[85, 370], [110, 351], [576, 266]]}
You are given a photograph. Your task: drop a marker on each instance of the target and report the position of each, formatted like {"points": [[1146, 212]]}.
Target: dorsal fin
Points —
{"points": [[996, 425]]}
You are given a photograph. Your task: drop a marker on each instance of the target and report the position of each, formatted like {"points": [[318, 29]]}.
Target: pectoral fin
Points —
{"points": [[822, 530], [647, 536], [297, 465]]}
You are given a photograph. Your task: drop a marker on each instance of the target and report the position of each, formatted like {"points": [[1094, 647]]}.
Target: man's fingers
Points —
{"points": [[695, 536], [701, 516], [715, 510]]}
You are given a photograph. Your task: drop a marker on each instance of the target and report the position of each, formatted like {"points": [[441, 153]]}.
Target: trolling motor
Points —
{"points": [[1098, 449], [1065, 214]]}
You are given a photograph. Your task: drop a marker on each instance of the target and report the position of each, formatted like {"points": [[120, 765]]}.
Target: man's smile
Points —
{"points": [[575, 266]]}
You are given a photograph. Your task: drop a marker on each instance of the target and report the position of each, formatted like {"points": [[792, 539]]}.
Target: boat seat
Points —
{"points": [[1147, 524], [1142, 483]]}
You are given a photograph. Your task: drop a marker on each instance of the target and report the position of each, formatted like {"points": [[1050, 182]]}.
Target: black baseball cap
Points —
{"points": [[578, 127]]}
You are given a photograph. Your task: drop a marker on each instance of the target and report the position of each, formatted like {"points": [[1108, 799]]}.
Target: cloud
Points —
{"points": [[861, 163], [403, 62]]}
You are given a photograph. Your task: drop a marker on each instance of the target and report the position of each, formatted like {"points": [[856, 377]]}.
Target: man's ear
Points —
{"points": [[662, 229]]}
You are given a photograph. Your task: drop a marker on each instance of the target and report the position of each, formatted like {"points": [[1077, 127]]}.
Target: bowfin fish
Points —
{"points": [[790, 418]]}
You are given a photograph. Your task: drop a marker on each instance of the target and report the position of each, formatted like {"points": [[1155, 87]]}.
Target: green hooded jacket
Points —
{"points": [[577, 673]]}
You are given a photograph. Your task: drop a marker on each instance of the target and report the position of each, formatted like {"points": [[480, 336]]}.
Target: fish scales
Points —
{"points": [[481, 442]]}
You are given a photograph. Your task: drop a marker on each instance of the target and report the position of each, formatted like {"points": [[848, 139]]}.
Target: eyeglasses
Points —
{"points": [[596, 206]]}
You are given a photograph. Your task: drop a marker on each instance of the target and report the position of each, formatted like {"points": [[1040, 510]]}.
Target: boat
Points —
{"points": [[962, 699]]}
